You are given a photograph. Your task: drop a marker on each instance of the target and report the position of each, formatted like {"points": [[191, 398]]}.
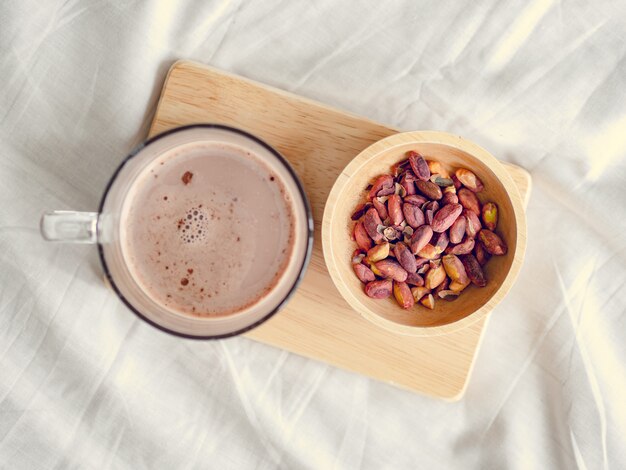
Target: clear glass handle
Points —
{"points": [[69, 226]]}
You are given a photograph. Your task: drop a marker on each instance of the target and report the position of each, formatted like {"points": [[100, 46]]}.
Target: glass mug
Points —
{"points": [[107, 229]]}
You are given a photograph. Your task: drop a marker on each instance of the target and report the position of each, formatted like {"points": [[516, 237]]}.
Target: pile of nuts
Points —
{"points": [[411, 218]]}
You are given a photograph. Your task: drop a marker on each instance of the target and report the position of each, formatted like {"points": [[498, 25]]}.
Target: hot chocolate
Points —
{"points": [[207, 229]]}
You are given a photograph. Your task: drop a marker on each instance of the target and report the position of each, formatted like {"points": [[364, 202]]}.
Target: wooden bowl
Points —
{"points": [[349, 191]]}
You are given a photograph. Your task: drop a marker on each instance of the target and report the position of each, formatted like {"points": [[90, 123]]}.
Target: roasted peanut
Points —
{"points": [[371, 221], [462, 248], [380, 208], [441, 242], [414, 279], [382, 184], [436, 168], [429, 189], [394, 208], [455, 181], [457, 230], [469, 200], [456, 271], [402, 293], [408, 184], [391, 269], [429, 211], [405, 257], [428, 301], [364, 273], [492, 242], [447, 294], [420, 238], [360, 210], [445, 217], [469, 180], [419, 166], [490, 215], [419, 292], [434, 277], [472, 223], [413, 215], [378, 252], [481, 254], [443, 286], [415, 199], [379, 289], [473, 270], [363, 240], [429, 252], [449, 198], [458, 286]]}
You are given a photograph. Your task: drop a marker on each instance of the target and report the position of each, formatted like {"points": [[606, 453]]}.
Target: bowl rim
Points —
{"points": [[424, 137]]}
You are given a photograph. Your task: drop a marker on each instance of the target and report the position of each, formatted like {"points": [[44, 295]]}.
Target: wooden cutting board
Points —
{"points": [[319, 141]]}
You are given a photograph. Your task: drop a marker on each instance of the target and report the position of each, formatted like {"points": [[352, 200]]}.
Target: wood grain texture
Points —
{"points": [[319, 142]]}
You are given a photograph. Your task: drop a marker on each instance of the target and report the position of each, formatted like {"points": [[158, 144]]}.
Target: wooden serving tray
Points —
{"points": [[319, 141]]}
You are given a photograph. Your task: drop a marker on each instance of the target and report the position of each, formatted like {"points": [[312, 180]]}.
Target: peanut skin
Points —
{"points": [[380, 208], [420, 238], [363, 240], [419, 166], [390, 268], [429, 189], [481, 254], [379, 289], [462, 248], [364, 273], [474, 270], [472, 223], [405, 257], [382, 183], [359, 211], [408, 184], [492, 242], [449, 198], [394, 207], [414, 279], [457, 230], [371, 221], [446, 216], [415, 199], [413, 215], [469, 200]]}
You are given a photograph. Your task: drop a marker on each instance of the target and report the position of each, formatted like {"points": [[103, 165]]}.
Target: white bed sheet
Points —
{"points": [[85, 384]]}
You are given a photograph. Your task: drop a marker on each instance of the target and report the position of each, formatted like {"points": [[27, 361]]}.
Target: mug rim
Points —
{"points": [[307, 210]]}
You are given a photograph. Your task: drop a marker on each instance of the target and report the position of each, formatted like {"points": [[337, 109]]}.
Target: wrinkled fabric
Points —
{"points": [[85, 384]]}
